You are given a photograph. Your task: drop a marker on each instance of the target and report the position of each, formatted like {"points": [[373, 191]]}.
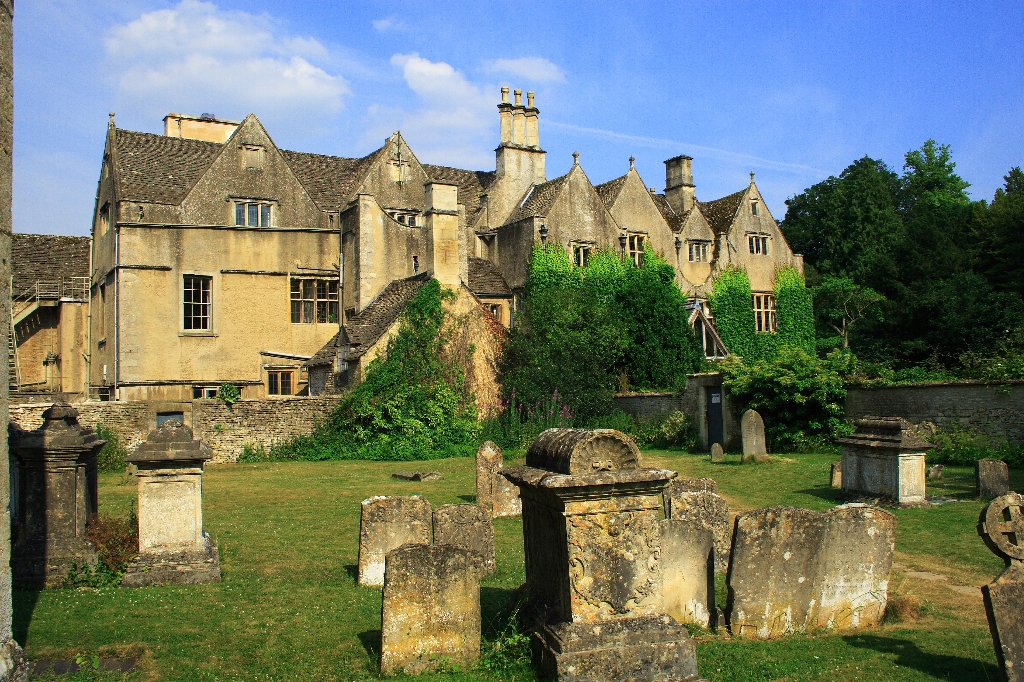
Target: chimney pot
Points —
{"points": [[519, 97], [529, 99], [504, 95]]}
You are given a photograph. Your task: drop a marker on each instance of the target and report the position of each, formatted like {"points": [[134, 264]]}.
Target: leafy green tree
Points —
{"points": [[1004, 227], [842, 303]]}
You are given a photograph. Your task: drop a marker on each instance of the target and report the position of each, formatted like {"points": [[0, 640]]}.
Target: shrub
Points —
{"points": [[112, 456], [516, 424], [116, 539], [229, 393], [679, 430], [412, 403], [964, 446], [734, 316], [252, 453], [799, 395]]}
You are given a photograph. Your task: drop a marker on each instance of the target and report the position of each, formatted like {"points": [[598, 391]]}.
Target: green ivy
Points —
{"points": [[730, 302], [795, 310], [412, 404]]}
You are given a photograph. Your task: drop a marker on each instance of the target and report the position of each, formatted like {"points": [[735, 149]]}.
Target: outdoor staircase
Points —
{"points": [[13, 368]]}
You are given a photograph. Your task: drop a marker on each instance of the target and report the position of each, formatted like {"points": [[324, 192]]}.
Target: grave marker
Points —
{"points": [[466, 526], [885, 458], [717, 453], [697, 501], [835, 475], [1001, 526], [173, 549], [493, 490], [430, 616], [991, 478], [752, 428], [386, 523]]}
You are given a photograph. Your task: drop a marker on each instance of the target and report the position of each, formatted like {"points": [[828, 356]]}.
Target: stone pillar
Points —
{"points": [[592, 535], [884, 458], [57, 488], [12, 660], [442, 213], [173, 549]]}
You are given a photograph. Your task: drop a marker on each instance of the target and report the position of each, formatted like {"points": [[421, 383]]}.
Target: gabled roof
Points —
{"points": [[720, 212], [157, 168], [485, 280], [330, 180], [675, 220], [46, 258], [540, 199], [609, 191], [365, 328]]}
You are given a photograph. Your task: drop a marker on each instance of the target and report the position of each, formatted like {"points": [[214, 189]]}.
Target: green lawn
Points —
{"points": [[289, 608]]}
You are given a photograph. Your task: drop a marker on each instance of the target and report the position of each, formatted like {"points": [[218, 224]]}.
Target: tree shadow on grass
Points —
{"points": [[24, 602], [833, 495], [468, 498], [909, 655]]}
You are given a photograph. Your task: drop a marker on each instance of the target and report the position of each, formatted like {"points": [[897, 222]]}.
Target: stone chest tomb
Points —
{"points": [[593, 540], [884, 458], [54, 493], [173, 549]]}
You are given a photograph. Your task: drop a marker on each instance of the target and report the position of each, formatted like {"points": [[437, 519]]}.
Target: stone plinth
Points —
{"points": [[431, 613], [592, 535], [991, 478], [55, 493], [1001, 526], [466, 526], [493, 490], [752, 428], [884, 458], [387, 523], [173, 549], [796, 570]]}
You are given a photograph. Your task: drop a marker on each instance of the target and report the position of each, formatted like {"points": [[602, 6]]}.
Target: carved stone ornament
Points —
{"points": [[1001, 526]]}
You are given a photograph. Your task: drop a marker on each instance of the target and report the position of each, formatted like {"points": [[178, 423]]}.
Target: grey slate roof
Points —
{"points": [[609, 191], [485, 280], [330, 180], [160, 169], [46, 258], [366, 327], [720, 212], [540, 199]]}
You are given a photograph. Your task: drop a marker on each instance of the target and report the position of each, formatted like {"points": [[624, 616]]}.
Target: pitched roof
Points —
{"points": [[720, 212], [46, 258], [675, 220], [485, 280], [160, 169], [366, 327], [540, 199], [609, 191], [330, 180]]}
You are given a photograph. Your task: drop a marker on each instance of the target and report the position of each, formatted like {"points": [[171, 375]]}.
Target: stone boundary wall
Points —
{"points": [[650, 405], [997, 409], [224, 428]]}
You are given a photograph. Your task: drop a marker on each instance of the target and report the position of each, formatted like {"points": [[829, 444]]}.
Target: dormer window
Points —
{"points": [[253, 213], [252, 157], [698, 252], [758, 244]]}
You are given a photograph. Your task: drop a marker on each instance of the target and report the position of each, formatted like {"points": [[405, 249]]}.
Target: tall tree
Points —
{"points": [[1004, 228]]}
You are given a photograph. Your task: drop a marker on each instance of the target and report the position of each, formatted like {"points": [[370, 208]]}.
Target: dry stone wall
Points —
{"points": [[225, 428], [996, 409]]}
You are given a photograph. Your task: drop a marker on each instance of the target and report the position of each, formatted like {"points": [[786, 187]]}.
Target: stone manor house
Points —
{"points": [[218, 257]]}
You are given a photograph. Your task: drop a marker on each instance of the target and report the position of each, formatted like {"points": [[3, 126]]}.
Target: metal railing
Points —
{"points": [[65, 289]]}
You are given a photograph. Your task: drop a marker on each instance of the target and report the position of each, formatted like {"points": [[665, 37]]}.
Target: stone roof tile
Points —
{"points": [[330, 180], [609, 191], [160, 169], [485, 279], [720, 212], [46, 258], [540, 199]]}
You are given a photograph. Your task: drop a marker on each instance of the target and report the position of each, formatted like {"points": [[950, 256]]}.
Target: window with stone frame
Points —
{"points": [[197, 303], [103, 219], [753, 207], [698, 251], [252, 157], [496, 310], [581, 254], [635, 247], [314, 300], [758, 244], [254, 213], [280, 382], [764, 313]]}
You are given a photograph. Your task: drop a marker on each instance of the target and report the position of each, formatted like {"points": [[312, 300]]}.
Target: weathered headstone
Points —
{"points": [[386, 523], [493, 490], [173, 549], [417, 475], [56, 483], [466, 526], [795, 570], [594, 556], [431, 613], [752, 428], [885, 458], [1002, 527], [688, 572], [835, 475], [934, 472], [717, 453], [991, 478], [696, 500]]}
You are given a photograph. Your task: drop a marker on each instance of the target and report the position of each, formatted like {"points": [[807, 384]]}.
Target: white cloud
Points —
{"points": [[456, 122], [532, 68], [391, 23], [196, 58]]}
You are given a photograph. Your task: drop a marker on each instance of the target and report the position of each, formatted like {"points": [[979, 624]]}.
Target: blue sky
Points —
{"points": [[794, 92]]}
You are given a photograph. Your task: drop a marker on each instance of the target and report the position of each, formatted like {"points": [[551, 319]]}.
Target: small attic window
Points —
{"points": [[252, 157], [753, 207]]}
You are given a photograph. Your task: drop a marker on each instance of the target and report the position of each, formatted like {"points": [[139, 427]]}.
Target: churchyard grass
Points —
{"points": [[289, 608]]}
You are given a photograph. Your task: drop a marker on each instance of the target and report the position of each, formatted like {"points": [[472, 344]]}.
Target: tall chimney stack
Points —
{"points": [[679, 187]]}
